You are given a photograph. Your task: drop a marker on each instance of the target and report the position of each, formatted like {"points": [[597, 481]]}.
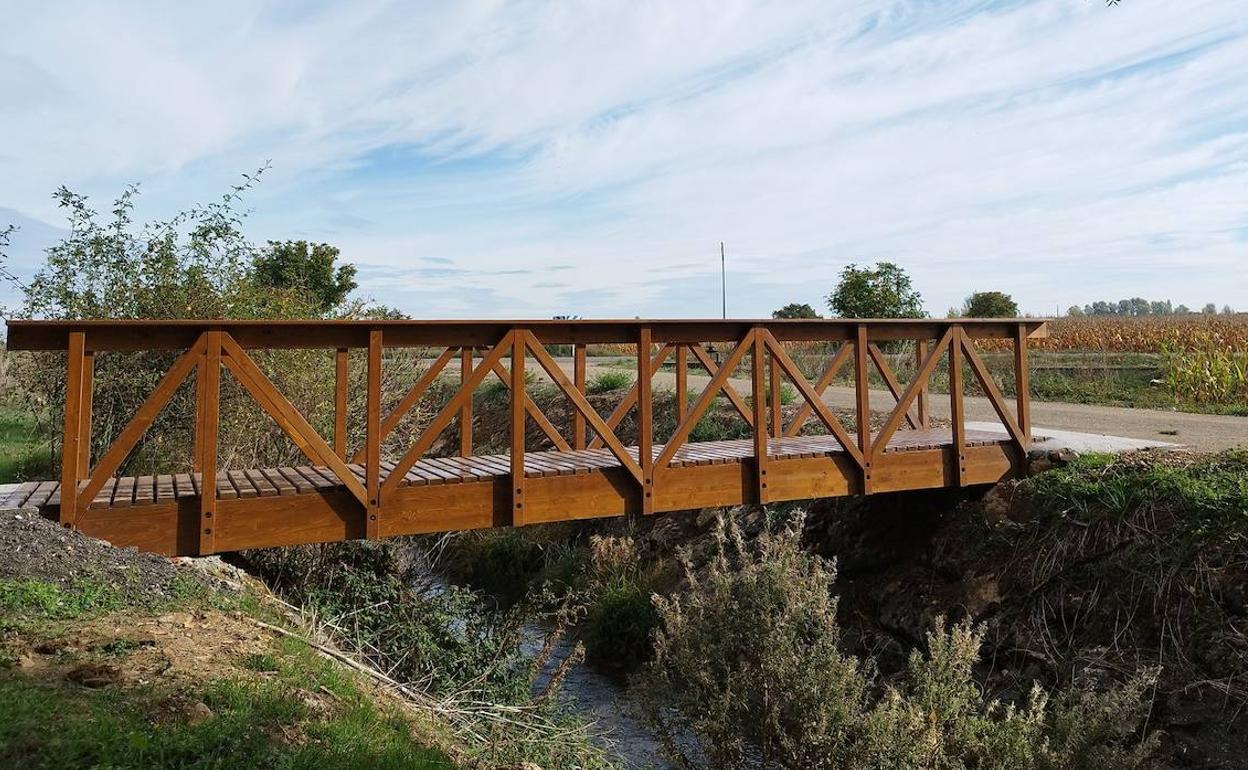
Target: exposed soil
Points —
{"points": [[36, 548]]}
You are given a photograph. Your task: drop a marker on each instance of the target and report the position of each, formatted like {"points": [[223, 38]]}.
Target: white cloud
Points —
{"points": [[1062, 151]]}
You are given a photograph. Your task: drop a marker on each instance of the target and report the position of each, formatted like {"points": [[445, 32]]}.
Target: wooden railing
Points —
{"points": [[506, 349]]}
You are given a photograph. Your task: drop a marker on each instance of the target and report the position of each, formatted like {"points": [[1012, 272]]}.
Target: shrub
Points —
{"points": [[748, 668], [606, 382], [620, 617]]}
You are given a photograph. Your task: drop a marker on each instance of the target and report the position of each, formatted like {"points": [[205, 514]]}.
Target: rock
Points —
{"points": [[198, 713]]}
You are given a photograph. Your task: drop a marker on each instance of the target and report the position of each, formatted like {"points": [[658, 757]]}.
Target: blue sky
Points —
{"points": [[491, 159]]}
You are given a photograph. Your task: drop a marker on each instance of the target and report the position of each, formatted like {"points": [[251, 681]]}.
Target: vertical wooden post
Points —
{"points": [[920, 355], [760, 413], [1022, 382], [465, 412], [517, 427], [862, 393], [957, 414], [71, 454], [682, 382], [777, 417], [578, 379], [208, 396], [372, 437], [84, 440], [341, 372], [645, 420]]}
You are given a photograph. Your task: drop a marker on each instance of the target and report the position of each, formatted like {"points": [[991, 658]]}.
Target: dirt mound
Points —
{"points": [[36, 548]]}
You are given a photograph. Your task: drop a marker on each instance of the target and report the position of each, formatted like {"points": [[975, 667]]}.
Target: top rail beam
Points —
{"points": [[130, 335]]}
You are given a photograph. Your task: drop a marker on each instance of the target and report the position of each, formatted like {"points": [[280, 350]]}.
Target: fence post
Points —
{"points": [[84, 440], [645, 421], [208, 397], [862, 400], [682, 382], [372, 440], [71, 455], [777, 417]]}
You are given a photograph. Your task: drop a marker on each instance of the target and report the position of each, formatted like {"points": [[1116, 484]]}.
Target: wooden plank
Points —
{"points": [[261, 482], [242, 483], [920, 356], [279, 481], [813, 399], [917, 385], [995, 397], [84, 441], [164, 488], [862, 404], [733, 396], [145, 490], [682, 382], [123, 493]]}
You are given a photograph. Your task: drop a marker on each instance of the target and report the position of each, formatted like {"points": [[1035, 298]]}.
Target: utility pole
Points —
{"points": [[723, 281]]}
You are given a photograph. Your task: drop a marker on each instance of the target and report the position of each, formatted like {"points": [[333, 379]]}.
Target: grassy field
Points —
{"points": [[24, 454]]}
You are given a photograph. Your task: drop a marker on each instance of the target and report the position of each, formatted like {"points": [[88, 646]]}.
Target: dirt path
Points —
{"points": [[1206, 432]]}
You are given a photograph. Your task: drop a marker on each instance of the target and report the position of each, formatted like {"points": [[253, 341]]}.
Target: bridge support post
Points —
{"points": [[208, 400], [518, 395], [758, 392], [957, 412], [682, 382], [862, 393], [645, 421], [1022, 382], [372, 441], [71, 453]]}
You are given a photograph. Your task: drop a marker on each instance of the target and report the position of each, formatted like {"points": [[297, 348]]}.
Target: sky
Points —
{"points": [[527, 159]]}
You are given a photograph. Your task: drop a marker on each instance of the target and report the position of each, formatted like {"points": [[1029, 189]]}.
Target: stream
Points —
{"points": [[600, 700]]}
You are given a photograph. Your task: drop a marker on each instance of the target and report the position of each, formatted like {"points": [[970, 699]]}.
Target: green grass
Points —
{"points": [[23, 453], [49, 725], [606, 382]]}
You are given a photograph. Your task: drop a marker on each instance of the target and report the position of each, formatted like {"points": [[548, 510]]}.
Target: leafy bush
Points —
{"points": [[605, 382], [748, 672], [620, 617]]}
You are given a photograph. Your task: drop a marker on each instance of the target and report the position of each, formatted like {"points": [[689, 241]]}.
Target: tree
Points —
{"points": [[990, 304], [1162, 308], [1228, 310], [795, 310], [1182, 310], [882, 292], [1074, 311], [304, 267], [1209, 309]]}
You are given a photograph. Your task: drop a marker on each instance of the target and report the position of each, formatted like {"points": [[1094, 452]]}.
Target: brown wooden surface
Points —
{"points": [[591, 473]]}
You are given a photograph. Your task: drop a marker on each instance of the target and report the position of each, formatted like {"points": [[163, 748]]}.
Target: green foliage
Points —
{"points": [[197, 264], [620, 617], [307, 269], [605, 382], [748, 665], [990, 304], [884, 291], [24, 453], [49, 726], [795, 310], [39, 600]]}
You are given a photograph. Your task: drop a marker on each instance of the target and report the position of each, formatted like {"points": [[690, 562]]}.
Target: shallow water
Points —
{"points": [[616, 724]]}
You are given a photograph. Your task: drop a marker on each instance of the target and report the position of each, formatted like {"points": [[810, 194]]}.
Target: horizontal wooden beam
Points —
{"points": [[129, 335]]}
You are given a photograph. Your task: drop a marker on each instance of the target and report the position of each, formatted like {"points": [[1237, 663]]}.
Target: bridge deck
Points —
{"points": [[131, 491]]}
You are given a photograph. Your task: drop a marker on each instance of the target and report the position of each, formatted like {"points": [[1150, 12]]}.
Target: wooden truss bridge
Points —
{"points": [[347, 493]]}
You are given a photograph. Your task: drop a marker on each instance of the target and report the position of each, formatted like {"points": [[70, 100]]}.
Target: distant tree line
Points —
{"points": [[1138, 306]]}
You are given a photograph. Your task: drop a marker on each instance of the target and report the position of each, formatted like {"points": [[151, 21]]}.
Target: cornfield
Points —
{"points": [[1148, 334]]}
